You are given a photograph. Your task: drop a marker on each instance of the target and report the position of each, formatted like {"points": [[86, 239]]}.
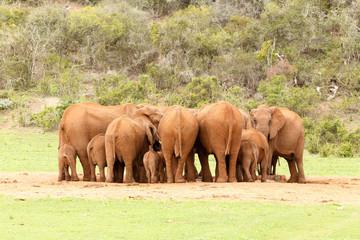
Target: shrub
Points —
{"points": [[117, 89], [6, 104], [201, 91]]}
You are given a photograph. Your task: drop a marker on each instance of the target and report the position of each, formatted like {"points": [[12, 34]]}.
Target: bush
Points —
{"points": [[116, 90], [6, 104], [201, 91]]}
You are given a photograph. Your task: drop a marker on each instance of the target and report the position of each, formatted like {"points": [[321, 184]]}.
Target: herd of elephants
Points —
{"points": [[156, 144]]}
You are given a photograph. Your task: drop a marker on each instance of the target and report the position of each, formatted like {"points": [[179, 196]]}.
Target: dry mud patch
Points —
{"points": [[337, 190]]}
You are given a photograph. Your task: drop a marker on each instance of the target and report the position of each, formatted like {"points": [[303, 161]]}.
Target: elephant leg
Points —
{"points": [[85, 165], [119, 172], [110, 162], [67, 175], [239, 175], [205, 168], [221, 166], [299, 163], [273, 164], [92, 171], [61, 170], [142, 172], [293, 171], [246, 168], [148, 175], [102, 172], [74, 176], [232, 167], [263, 169], [190, 167], [180, 169], [252, 171], [169, 166], [129, 171]]}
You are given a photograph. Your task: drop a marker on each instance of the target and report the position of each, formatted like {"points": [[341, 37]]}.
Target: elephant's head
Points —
{"points": [[152, 136], [267, 120], [153, 114]]}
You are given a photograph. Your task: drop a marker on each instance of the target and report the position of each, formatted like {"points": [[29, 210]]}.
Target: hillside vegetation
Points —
{"points": [[300, 54]]}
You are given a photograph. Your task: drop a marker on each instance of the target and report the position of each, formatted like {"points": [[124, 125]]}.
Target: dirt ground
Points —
{"points": [[339, 190]]}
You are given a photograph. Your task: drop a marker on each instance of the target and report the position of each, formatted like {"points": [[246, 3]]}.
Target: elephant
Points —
{"points": [[178, 131], [152, 164], [285, 134], [67, 157], [262, 144], [96, 155], [83, 121], [247, 161], [220, 130], [246, 119], [128, 139]]}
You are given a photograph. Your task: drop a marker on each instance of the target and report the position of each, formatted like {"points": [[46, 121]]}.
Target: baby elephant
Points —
{"points": [[96, 156], [247, 160], [152, 162], [67, 157]]}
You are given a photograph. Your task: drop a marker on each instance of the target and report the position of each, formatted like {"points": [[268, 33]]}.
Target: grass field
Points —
{"points": [[150, 219], [74, 218]]}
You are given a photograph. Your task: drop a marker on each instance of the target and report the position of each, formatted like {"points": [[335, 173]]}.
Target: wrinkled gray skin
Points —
{"points": [[97, 156], [151, 163], [247, 161], [66, 158]]}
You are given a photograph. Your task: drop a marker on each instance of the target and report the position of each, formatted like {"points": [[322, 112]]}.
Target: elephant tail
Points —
{"points": [[231, 127], [62, 138], [68, 159], [88, 150], [178, 141]]}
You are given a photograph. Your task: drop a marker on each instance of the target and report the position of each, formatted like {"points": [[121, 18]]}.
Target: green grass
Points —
{"points": [[30, 150], [73, 218]]}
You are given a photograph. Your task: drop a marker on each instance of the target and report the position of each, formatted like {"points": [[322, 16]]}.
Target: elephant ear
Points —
{"points": [[152, 135], [151, 113], [252, 113], [277, 121]]}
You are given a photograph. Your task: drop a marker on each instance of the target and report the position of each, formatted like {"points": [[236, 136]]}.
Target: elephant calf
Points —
{"points": [[96, 156], [67, 157], [154, 166], [247, 161]]}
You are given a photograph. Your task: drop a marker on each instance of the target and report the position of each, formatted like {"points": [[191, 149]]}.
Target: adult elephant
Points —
{"points": [[261, 142], [220, 128], [178, 130], [83, 121], [128, 139], [285, 134]]}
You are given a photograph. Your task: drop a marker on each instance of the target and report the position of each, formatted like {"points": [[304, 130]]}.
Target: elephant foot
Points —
{"points": [[180, 180], [110, 179], [75, 179], [222, 179], [86, 178], [292, 179], [102, 179], [263, 179], [302, 180], [93, 179], [207, 179], [130, 180], [170, 180], [232, 179]]}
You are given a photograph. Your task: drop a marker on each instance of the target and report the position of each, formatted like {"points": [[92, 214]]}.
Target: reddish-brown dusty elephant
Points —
{"points": [[152, 164], [220, 130], [262, 144], [246, 119], [285, 134], [97, 156], [83, 121], [178, 130], [247, 161], [67, 158], [127, 139]]}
